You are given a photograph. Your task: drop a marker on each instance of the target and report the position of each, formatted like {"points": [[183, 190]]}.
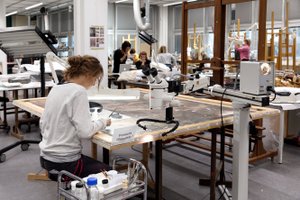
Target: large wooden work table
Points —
{"points": [[195, 115]]}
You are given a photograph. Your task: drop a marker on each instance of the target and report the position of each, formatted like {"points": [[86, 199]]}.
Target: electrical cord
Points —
{"points": [[273, 91], [158, 121]]}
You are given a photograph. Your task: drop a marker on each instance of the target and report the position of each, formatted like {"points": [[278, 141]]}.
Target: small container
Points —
{"points": [[73, 186], [105, 183], [80, 191], [92, 185]]}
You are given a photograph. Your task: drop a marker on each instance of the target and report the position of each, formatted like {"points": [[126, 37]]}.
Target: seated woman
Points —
{"points": [[66, 120], [143, 62]]}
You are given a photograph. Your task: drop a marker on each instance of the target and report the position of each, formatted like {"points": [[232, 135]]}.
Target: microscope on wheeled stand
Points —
{"points": [[256, 84]]}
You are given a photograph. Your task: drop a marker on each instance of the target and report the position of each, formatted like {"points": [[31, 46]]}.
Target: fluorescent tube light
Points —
{"points": [[172, 4], [120, 1], [33, 6], [11, 13], [176, 3]]}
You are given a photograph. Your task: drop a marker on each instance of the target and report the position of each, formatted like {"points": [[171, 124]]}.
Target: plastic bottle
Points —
{"points": [[80, 191], [92, 185], [73, 187]]}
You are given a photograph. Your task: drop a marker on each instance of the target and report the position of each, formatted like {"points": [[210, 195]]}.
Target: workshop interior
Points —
{"points": [[150, 99]]}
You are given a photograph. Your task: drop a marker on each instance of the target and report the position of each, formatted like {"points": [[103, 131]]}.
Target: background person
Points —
{"points": [[120, 56], [134, 56], [165, 58], [66, 120], [143, 62], [244, 50]]}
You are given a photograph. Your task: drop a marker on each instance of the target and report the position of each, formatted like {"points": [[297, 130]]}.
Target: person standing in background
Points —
{"points": [[120, 56], [244, 50]]}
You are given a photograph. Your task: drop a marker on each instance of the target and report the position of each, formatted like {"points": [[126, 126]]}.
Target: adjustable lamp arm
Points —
{"points": [[51, 57]]}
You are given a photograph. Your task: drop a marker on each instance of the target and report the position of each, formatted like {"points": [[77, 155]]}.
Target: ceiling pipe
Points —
{"points": [[137, 15]]}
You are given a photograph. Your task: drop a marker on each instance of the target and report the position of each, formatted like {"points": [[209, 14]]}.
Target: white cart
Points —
{"points": [[136, 186]]}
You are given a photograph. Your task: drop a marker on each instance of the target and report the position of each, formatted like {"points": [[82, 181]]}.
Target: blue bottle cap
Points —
{"points": [[91, 181]]}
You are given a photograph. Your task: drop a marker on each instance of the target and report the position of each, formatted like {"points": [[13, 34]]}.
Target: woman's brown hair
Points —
{"points": [[162, 49], [247, 41], [143, 53], [83, 65]]}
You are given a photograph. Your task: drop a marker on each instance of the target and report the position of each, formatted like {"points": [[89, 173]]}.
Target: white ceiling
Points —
{"points": [[20, 5]]}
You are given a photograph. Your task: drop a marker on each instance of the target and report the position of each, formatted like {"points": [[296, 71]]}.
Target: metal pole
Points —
{"points": [[158, 170], [240, 150], [42, 69]]}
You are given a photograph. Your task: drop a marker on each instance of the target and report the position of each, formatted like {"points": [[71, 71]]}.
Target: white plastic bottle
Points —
{"points": [[80, 191], [92, 185]]}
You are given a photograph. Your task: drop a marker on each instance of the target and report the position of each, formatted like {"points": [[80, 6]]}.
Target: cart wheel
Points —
{"points": [[2, 158], [24, 147]]}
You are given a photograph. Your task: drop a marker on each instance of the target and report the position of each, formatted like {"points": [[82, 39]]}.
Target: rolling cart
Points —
{"points": [[135, 172]]}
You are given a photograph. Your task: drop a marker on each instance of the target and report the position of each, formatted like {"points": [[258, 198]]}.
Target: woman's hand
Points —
{"points": [[108, 122]]}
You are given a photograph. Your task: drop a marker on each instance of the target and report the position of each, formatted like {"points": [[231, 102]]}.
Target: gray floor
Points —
{"points": [[182, 168]]}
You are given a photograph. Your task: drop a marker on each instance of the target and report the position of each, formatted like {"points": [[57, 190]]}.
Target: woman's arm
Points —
{"points": [[81, 118]]}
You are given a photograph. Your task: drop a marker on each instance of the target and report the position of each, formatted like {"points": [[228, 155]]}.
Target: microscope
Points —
{"points": [[160, 96]]}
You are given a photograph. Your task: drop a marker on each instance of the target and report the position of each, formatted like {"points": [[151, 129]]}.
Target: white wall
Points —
{"points": [[87, 14]]}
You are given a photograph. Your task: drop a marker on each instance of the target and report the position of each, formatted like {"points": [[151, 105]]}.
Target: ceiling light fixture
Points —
{"points": [[176, 3], [33, 6], [120, 1], [11, 13]]}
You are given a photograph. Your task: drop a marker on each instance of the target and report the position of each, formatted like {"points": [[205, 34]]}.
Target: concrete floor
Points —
{"points": [[182, 168]]}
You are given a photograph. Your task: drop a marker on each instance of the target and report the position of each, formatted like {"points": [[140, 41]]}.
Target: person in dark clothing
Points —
{"points": [[120, 56], [144, 62]]}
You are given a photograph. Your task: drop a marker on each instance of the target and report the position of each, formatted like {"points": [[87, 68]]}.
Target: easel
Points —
{"points": [[217, 62], [286, 49], [197, 42]]}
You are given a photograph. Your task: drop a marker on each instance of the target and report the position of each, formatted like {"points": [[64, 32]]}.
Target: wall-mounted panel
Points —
{"points": [[294, 8], [178, 17], [244, 12], [125, 17], [64, 20], [195, 16], [54, 23], [111, 16], [276, 6], [210, 16]]}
